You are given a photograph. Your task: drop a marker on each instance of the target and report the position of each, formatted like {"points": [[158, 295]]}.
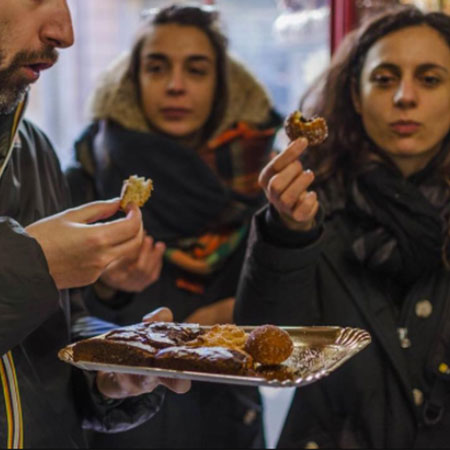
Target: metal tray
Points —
{"points": [[318, 351]]}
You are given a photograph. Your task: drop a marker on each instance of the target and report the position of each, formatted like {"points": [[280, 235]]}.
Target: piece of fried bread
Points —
{"points": [[135, 190]]}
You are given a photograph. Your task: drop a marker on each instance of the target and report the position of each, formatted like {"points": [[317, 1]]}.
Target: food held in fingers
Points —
{"points": [[315, 129], [135, 190]]}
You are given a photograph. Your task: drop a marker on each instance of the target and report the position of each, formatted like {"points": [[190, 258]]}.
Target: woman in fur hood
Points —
{"points": [[180, 110]]}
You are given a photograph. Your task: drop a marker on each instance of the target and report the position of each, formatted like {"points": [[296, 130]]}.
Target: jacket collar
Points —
{"points": [[9, 124]]}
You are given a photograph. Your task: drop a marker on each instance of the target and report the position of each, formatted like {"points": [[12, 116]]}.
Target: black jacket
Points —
{"points": [[44, 402], [374, 400]]}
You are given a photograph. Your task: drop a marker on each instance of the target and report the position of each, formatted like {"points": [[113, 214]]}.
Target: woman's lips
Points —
{"points": [[175, 113], [405, 127]]}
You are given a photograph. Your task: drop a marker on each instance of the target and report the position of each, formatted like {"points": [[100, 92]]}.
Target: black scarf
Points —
{"points": [[402, 223], [188, 199]]}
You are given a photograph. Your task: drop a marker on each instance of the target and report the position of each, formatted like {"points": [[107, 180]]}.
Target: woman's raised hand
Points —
{"points": [[286, 184]]}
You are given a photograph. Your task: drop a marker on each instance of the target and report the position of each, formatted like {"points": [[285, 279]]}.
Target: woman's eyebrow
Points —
{"points": [[431, 66], [191, 58], [158, 56], [199, 58], [387, 66]]}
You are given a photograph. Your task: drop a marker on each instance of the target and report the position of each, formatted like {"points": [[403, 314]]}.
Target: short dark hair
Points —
{"points": [[206, 21], [331, 96]]}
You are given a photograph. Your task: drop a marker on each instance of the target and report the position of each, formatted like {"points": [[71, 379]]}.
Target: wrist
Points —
{"points": [[103, 291], [297, 226]]}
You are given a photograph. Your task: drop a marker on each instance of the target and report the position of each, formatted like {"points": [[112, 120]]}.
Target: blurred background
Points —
{"points": [[286, 43]]}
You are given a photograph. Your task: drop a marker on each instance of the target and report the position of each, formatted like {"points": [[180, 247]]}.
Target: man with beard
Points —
{"points": [[47, 249]]}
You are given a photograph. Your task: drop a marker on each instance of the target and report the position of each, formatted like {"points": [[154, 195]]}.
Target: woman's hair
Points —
{"points": [[331, 97], [206, 21]]}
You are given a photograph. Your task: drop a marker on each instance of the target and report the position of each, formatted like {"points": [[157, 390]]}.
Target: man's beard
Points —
{"points": [[12, 87]]}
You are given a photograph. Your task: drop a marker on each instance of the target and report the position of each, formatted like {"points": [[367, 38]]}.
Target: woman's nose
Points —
{"points": [[57, 30], [176, 82], [406, 94]]}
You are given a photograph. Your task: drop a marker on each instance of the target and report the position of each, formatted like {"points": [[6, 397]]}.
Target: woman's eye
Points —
{"points": [[154, 68], [200, 71], [430, 80], [384, 80]]}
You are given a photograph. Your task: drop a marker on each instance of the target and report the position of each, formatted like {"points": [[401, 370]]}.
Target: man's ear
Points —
{"points": [[355, 96]]}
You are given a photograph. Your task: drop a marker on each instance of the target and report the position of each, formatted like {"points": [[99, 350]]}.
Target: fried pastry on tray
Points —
{"points": [[135, 345], [278, 372], [222, 349], [269, 345], [204, 359], [228, 335]]}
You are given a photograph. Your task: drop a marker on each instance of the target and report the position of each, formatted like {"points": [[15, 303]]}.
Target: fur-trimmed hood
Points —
{"points": [[115, 98]]}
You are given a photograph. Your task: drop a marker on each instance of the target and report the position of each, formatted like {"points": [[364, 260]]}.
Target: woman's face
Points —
{"points": [[404, 95], [177, 79]]}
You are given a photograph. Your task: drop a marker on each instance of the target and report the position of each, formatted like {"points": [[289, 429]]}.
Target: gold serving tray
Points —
{"points": [[318, 351]]}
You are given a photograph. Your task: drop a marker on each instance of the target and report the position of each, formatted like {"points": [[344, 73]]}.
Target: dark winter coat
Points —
{"points": [[44, 402], [392, 394]]}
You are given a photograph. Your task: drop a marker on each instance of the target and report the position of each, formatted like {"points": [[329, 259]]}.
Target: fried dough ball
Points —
{"points": [[315, 130], [229, 336], [135, 190], [269, 345]]}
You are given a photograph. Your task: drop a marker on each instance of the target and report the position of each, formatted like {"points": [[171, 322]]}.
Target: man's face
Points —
{"points": [[30, 33]]}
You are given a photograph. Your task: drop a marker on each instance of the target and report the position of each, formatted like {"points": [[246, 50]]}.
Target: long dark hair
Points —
{"points": [[206, 21], [331, 97]]}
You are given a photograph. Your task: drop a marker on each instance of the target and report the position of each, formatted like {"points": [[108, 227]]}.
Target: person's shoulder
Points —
{"points": [[34, 145], [33, 136]]}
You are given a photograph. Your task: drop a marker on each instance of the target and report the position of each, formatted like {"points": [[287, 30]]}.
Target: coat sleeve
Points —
{"points": [[278, 283], [97, 412], [28, 294], [109, 415]]}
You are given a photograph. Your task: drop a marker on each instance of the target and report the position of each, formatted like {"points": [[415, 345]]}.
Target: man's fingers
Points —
{"points": [[291, 154], [127, 250], [122, 385], [152, 257], [122, 230], [93, 212], [176, 385], [162, 314]]}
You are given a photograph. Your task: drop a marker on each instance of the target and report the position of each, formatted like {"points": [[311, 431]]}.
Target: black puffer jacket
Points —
{"points": [[44, 402], [392, 394]]}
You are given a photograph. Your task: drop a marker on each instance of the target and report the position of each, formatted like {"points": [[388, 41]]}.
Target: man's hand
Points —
{"points": [[135, 275], [121, 385], [285, 183], [78, 250], [219, 312]]}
